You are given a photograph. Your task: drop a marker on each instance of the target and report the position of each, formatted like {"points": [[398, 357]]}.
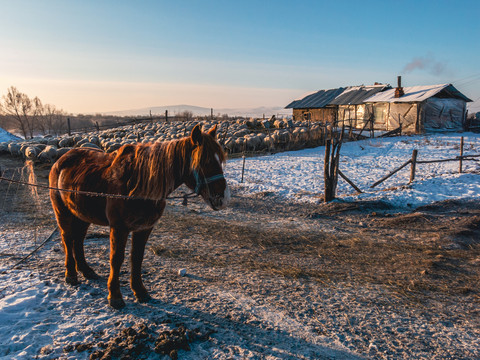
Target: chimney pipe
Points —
{"points": [[399, 89]]}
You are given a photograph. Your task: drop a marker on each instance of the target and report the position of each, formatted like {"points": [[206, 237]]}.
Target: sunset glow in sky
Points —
{"points": [[98, 56]]}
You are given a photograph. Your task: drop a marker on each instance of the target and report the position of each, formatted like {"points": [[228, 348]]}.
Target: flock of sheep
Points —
{"points": [[237, 136]]}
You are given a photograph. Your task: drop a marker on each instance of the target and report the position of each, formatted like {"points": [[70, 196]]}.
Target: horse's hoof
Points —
{"points": [[72, 280], [91, 275], [116, 303], [143, 299]]}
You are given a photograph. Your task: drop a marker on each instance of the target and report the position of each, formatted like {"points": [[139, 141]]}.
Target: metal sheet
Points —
{"points": [[357, 94], [316, 100], [418, 94]]}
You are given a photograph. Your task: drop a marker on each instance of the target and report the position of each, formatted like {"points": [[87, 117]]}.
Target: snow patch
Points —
{"points": [[5, 136], [298, 175]]}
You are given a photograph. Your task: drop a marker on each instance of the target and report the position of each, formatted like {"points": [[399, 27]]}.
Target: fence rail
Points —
{"points": [[413, 166], [131, 121]]}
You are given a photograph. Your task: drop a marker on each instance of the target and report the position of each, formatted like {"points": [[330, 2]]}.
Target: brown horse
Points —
{"points": [[146, 173]]}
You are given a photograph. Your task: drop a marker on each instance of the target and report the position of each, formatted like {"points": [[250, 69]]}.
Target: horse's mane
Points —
{"points": [[157, 169], [206, 152]]}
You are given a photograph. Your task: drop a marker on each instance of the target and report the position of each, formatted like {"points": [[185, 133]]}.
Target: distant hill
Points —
{"points": [[198, 111]]}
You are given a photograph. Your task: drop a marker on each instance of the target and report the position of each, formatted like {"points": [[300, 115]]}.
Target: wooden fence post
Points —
{"points": [[461, 156], [413, 165], [69, 127], [331, 161], [243, 167]]}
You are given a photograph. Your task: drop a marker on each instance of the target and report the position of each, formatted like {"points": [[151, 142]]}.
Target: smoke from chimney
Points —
{"points": [[427, 63]]}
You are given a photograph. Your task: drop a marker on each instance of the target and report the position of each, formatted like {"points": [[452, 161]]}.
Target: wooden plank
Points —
{"points": [[349, 181], [389, 175], [465, 158], [410, 108], [364, 126], [397, 131], [413, 163], [461, 156]]}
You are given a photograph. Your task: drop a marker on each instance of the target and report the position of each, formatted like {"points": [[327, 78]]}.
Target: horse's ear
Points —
{"points": [[213, 131], [196, 135]]}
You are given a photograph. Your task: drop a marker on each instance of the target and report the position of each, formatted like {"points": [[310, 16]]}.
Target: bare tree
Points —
{"points": [[52, 120], [30, 116], [35, 115], [5, 122], [184, 116], [15, 106], [22, 111]]}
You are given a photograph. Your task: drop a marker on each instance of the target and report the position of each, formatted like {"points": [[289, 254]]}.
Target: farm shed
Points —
{"points": [[316, 106], [419, 109], [341, 105]]}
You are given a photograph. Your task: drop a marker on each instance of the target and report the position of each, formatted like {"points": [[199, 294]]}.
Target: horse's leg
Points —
{"points": [[118, 240], [80, 228], [73, 231], [139, 239], [64, 221], [70, 267]]}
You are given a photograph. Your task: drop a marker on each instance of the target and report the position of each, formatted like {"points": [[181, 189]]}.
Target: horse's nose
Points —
{"points": [[220, 202], [226, 197]]}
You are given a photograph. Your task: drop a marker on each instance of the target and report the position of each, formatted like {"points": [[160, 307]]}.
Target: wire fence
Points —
{"points": [[27, 218], [413, 162]]}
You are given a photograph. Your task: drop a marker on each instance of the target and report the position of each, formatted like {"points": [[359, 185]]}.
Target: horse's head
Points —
{"points": [[206, 169]]}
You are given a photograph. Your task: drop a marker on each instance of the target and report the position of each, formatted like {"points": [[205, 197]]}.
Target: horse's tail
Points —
{"points": [[55, 195]]}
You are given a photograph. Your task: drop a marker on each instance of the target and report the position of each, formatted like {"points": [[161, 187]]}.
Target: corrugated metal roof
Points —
{"points": [[418, 94], [356, 95], [316, 100]]}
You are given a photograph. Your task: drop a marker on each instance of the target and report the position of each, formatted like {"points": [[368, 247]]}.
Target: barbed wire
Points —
{"points": [[94, 194], [79, 192]]}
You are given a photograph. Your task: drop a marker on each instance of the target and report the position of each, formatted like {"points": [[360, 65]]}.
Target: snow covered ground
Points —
{"points": [[38, 316], [299, 174], [6, 136]]}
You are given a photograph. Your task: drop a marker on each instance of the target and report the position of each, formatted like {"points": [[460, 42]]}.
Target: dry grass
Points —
{"points": [[397, 252]]}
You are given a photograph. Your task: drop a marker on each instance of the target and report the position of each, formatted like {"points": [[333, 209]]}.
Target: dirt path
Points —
{"points": [[377, 282]]}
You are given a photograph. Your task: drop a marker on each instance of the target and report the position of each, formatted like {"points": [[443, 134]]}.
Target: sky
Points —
{"points": [[100, 56]]}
